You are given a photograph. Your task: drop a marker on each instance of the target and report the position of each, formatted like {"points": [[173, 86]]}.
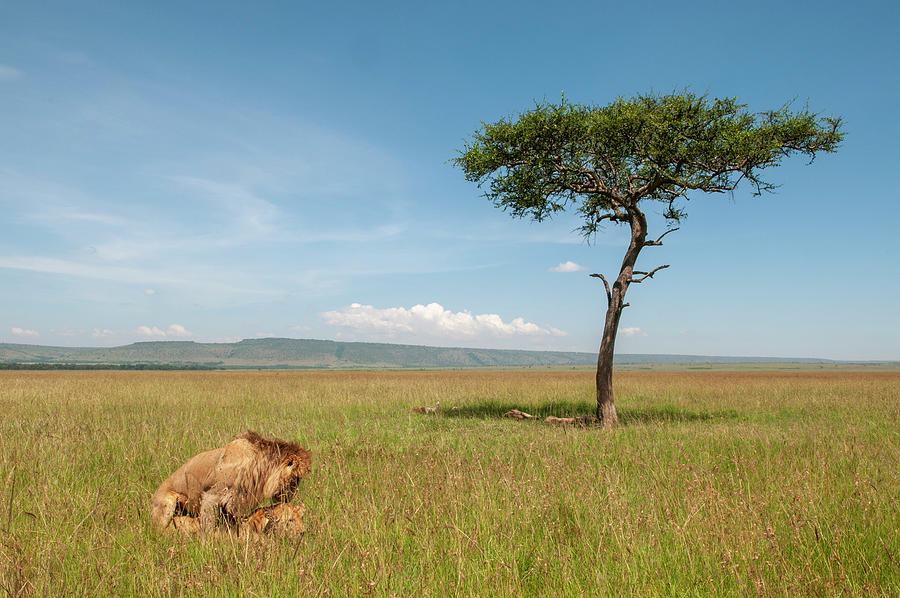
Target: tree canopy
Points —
{"points": [[651, 147]]}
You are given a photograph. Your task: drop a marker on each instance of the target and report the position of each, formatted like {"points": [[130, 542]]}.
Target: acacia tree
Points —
{"points": [[610, 162]]}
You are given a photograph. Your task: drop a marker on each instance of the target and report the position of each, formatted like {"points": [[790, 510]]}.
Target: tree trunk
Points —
{"points": [[606, 407]]}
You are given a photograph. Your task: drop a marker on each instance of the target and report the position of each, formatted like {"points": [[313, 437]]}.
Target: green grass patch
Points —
{"points": [[740, 483]]}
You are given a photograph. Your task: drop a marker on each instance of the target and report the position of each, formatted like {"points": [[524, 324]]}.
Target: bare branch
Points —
{"points": [[652, 185], [657, 242], [646, 275], [613, 173], [605, 284], [616, 215]]}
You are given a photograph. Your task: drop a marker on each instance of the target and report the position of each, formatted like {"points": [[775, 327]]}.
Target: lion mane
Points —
{"points": [[231, 480]]}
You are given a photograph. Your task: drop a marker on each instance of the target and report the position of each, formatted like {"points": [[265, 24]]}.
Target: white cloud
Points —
{"points": [[24, 332], [178, 330], [148, 331], [265, 335], [103, 332], [8, 73], [628, 332], [173, 331], [150, 292], [432, 321], [567, 267]]}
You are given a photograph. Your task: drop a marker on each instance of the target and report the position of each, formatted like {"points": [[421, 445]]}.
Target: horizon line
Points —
{"points": [[754, 358]]}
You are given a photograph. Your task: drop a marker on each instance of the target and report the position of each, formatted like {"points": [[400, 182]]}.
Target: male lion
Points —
{"points": [[233, 479]]}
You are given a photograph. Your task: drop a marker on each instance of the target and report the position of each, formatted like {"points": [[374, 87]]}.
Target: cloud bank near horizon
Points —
{"points": [[432, 322], [173, 331]]}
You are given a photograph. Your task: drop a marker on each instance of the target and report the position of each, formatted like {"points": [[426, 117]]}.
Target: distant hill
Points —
{"points": [[309, 353]]}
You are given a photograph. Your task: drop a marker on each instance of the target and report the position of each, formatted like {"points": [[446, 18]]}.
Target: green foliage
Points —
{"points": [[606, 159]]}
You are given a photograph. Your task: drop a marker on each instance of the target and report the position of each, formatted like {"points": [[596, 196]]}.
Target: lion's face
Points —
{"points": [[292, 469]]}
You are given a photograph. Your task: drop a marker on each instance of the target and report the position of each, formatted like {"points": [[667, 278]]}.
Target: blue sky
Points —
{"points": [[213, 171]]}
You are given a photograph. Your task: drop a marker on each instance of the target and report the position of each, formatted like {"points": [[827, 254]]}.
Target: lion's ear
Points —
{"points": [[292, 461]]}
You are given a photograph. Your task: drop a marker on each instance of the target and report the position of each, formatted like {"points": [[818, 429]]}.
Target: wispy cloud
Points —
{"points": [[501, 229], [85, 270], [569, 266], [250, 212], [64, 214], [349, 235], [506, 233], [53, 204], [203, 283]]}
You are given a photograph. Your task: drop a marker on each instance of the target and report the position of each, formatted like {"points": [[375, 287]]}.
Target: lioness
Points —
{"points": [[281, 520]]}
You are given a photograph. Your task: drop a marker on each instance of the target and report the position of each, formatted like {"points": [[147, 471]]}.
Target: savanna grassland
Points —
{"points": [[723, 483]]}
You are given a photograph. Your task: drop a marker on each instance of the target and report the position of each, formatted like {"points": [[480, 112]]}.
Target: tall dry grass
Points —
{"points": [[753, 483]]}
